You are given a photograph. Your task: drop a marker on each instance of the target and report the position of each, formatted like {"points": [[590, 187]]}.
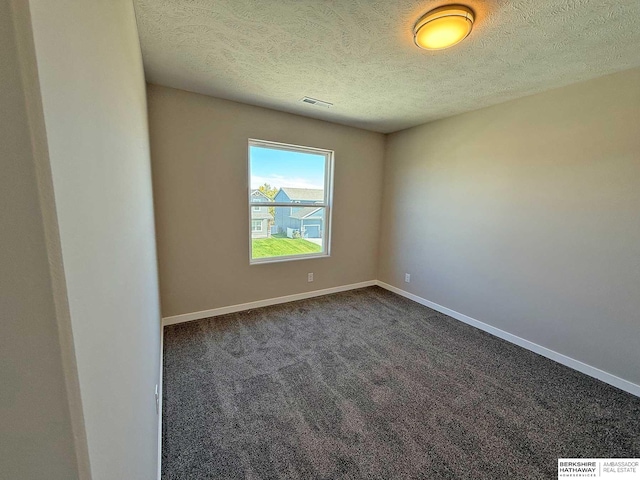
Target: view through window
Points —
{"points": [[289, 201]]}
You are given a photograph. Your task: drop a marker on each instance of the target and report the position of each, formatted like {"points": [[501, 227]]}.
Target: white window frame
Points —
{"points": [[327, 202], [253, 230]]}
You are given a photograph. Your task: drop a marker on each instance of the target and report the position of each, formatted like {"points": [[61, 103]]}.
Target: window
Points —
{"points": [[293, 185], [256, 225], [256, 209]]}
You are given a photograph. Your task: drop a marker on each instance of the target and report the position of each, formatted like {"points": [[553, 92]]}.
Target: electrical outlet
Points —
{"points": [[157, 399], [309, 277], [407, 277]]}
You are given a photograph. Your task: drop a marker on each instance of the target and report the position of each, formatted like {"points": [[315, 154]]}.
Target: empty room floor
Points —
{"points": [[368, 384]]}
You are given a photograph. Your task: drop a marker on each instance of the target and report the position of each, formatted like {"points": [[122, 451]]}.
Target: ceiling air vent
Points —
{"points": [[316, 102]]}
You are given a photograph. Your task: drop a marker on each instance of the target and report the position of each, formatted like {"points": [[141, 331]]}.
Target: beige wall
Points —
{"points": [[199, 155], [94, 103], [525, 216], [36, 427]]}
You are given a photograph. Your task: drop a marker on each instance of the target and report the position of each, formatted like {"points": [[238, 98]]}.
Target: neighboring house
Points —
{"points": [[260, 216], [307, 220]]}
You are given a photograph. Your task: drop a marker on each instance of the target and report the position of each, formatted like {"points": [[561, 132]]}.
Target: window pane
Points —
{"points": [[287, 176], [300, 178], [257, 225], [301, 233]]}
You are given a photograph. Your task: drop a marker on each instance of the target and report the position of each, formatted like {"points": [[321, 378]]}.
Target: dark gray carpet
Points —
{"points": [[367, 384]]}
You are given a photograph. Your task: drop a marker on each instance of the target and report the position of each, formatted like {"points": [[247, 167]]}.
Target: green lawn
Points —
{"points": [[280, 245]]}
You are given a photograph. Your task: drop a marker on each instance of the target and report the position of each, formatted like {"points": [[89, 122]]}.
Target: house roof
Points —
{"points": [[257, 192], [304, 212], [308, 194]]}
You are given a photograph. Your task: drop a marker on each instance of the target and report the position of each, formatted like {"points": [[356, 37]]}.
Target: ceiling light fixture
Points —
{"points": [[443, 27]]}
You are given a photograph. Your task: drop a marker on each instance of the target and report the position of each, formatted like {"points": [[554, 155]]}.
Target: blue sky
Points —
{"points": [[281, 168]]}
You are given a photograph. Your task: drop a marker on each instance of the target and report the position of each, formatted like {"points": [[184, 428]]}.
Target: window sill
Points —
{"points": [[287, 259]]}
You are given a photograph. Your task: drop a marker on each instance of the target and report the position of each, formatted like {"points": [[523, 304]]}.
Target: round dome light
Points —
{"points": [[443, 27]]}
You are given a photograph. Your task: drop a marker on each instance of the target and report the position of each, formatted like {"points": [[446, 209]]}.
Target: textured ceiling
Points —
{"points": [[359, 54]]}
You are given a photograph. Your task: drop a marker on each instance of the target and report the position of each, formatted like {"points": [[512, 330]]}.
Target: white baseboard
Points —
{"points": [[160, 403], [594, 372], [214, 312]]}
